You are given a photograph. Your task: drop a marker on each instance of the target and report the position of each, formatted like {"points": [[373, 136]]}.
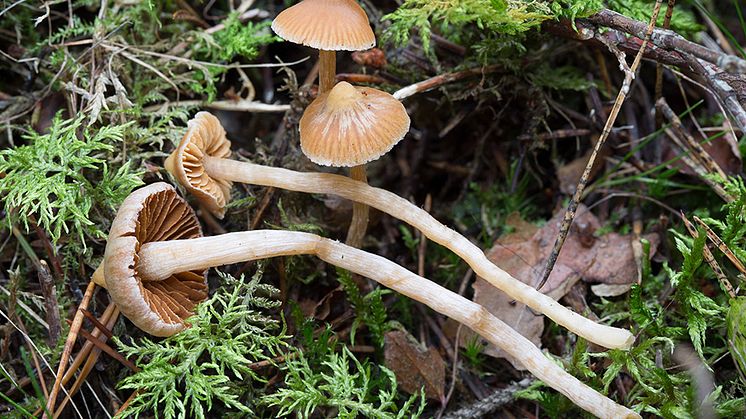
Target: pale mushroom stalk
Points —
{"points": [[159, 260], [227, 170]]}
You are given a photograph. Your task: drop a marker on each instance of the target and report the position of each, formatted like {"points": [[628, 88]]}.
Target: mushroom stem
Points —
{"points": [[158, 260], [327, 70], [398, 207], [359, 222]]}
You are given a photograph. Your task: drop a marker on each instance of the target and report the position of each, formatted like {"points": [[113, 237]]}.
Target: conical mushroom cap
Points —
{"points": [[349, 126], [205, 136], [331, 25], [153, 213]]}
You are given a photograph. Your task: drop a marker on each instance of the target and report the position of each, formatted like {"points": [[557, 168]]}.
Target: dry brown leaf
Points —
{"points": [[607, 259], [415, 367], [321, 309], [514, 314]]}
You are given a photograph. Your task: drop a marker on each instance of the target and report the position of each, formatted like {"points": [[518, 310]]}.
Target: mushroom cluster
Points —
{"points": [[156, 257], [345, 126], [167, 258], [194, 167]]}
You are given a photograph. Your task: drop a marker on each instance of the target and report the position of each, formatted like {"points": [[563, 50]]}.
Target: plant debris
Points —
{"points": [[507, 101], [415, 367]]}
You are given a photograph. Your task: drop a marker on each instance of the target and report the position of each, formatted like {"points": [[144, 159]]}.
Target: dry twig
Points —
{"points": [[629, 76], [486, 406], [667, 39], [441, 79]]}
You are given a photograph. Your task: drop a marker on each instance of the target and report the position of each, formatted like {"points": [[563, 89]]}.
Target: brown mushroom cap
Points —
{"points": [[330, 25], [205, 136], [349, 126], [153, 213]]}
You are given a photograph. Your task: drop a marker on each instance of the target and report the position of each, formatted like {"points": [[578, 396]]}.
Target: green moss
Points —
{"points": [[58, 177], [210, 362]]}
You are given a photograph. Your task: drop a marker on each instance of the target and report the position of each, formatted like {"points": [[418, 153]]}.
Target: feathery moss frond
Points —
{"points": [[183, 375], [354, 388], [51, 177]]}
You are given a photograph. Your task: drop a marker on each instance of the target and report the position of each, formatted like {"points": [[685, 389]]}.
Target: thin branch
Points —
{"points": [[573, 206], [486, 406], [727, 95], [441, 79], [669, 40], [699, 152], [242, 105]]}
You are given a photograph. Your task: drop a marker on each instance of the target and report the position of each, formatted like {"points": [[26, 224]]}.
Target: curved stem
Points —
{"points": [[359, 222], [327, 70], [398, 207], [159, 259]]}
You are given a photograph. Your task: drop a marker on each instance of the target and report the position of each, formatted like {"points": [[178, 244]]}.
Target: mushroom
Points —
{"points": [[350, 126], [164, 259], [159, 308], [342, 128], [329, 26], [196, 169]]}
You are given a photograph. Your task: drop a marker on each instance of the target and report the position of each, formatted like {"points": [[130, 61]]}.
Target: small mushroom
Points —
{"points": [[350, 126], [333, 25], [164, 259], [159, 308], [195, 167], [329, 26]]}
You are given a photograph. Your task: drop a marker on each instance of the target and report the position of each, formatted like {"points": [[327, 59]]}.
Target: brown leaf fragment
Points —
{"points": [[514, 314], [606, 259], [414, 366]]}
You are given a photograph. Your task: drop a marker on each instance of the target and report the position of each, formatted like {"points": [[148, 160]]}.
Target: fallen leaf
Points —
{"points": [[414, 366], [321, 309], [606, 259]]}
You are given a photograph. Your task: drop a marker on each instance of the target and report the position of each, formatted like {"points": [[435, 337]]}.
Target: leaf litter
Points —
{"points": [[606, 260]]}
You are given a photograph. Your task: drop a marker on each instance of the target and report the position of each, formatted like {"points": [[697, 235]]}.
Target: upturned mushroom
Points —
{"points": [[329, 26], [159, 308], [197, 170], [157, 261]]}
